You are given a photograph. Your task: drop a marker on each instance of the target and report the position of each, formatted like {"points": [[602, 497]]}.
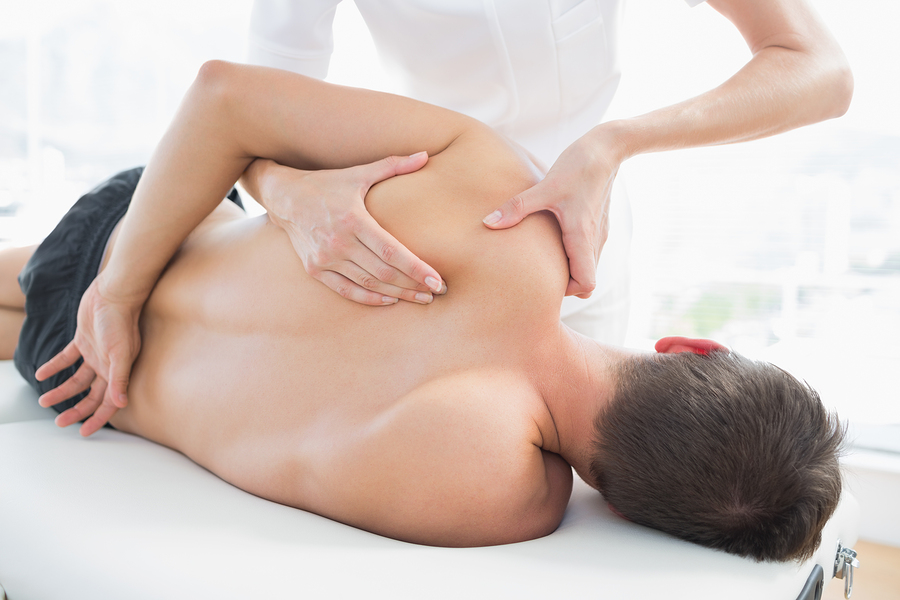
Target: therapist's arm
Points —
{"points": [[337, 240], [798, 75]]}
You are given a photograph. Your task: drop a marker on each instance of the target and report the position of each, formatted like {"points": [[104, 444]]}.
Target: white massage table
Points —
{"points": [[117, 517]]}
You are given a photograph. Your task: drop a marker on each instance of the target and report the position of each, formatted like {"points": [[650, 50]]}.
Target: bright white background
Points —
{"points": [[786, 249]]}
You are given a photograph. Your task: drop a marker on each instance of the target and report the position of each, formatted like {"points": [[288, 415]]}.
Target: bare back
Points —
{"points": [[418, 422]]}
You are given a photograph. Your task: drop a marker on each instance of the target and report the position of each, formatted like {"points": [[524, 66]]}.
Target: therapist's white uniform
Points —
{"points": [[542, 72]]}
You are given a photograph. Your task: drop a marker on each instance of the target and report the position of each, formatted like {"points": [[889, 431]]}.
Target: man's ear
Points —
{"points": [[673, 345], [613, 510]]}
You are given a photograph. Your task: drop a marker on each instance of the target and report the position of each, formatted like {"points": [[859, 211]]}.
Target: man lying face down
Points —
{"points": [[449, 418]]}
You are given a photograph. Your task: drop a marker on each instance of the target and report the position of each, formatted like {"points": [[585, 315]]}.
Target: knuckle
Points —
{"points": [[367, 281], [334, 244], [418, 272], [350, 220], [408, 295], [317, 259], [387, 252], [344, 290], [385, 273], [82, 377], [517, 204]]}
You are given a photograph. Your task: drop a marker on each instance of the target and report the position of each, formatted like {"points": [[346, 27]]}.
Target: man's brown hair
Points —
{"points": [[722, 451]]}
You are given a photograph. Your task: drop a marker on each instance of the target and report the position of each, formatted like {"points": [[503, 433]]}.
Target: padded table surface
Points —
{"points": [[115, 516]]}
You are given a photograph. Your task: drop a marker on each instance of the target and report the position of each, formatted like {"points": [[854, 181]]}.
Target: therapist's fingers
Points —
{"points": [[366, 280], [517, 208], [583, 251], [394, 257], [388, 167], [351, 290]]}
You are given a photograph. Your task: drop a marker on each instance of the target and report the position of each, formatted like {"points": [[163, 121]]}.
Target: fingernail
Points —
{"points": [[433, 283], [443, 288], [418, 154], [493, 218], [389, 300], [123, 400], [424, 298]]}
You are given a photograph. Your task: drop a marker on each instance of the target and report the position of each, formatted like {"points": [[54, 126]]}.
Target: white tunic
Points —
{"points": [[542, 72]]}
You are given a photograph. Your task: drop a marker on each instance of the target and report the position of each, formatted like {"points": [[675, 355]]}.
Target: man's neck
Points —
{"points": [[582, 382]]}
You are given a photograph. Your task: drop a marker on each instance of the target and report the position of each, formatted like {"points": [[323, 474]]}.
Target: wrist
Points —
{"points": [[621, 139], [256, 179], [124, 289]]}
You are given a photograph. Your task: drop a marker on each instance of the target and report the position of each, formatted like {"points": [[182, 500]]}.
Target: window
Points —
{"points": [[786, 249], [89, 86]]}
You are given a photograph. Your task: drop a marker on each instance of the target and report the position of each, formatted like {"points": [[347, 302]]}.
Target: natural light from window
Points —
{"points": [[785, 249]]}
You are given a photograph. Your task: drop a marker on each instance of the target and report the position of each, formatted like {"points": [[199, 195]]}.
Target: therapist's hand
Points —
{"points": [[577, 191], [338, 241], [108, 339]]}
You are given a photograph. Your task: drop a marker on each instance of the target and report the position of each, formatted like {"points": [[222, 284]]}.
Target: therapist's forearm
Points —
{"points": [[778, 90], [251, 178], [257, 181]]}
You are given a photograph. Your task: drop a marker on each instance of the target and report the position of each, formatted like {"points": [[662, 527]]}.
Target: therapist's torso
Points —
{"points": [[542, 72]]}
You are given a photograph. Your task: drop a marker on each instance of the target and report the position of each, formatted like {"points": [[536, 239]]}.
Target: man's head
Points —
{"points": [[719, 450]]}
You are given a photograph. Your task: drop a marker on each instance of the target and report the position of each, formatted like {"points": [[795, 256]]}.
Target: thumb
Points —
{"points": [[118, 383], [392, 165], [511, 213]]}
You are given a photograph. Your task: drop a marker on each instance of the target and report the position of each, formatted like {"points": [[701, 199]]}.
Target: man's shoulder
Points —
{"points": [[478, 401], [486, 435], [437, 213], [468, 468]]}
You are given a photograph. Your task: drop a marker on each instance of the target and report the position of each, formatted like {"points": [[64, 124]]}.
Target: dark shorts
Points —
{"points": [[60, 271]]}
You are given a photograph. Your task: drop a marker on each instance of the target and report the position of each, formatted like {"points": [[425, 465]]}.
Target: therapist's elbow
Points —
{"points": [[846, 90], [840, 89], [835, 83]]}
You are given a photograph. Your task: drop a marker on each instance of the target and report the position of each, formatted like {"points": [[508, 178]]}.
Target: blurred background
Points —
{"points": [[786, 249]]}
